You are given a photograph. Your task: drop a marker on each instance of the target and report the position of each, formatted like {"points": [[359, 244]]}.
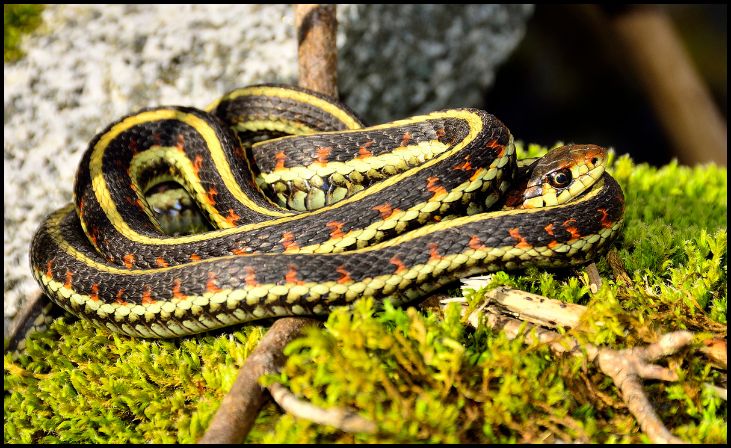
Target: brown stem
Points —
{"points": [[626, 367], [317, 51], [339, 418]]}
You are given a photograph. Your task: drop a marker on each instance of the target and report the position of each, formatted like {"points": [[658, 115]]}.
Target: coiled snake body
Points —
{"points": [[389, 211]]}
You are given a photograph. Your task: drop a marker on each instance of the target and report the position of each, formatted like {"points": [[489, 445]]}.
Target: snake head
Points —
{"points": [[561, 175]]}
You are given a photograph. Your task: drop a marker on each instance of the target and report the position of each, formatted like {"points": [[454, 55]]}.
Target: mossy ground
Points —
{"points": [[422, 376]]}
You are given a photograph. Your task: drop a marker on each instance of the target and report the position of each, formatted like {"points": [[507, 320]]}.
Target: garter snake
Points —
{"points": [[389, 211]]}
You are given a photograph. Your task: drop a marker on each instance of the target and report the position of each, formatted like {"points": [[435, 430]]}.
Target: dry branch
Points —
{"points": [[626, 367], [339, 418]]}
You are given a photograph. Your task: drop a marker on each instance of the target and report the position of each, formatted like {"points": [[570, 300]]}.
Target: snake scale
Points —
{"points": [[308, 209]]}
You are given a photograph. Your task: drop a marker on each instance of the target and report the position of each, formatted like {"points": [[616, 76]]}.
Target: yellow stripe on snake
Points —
{"points": [[309, 210]]}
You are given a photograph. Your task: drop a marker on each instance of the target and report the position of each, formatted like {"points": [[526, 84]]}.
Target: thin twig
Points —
{"points": [[526, 306], [718, 391], [626, 367], [341, 419]]}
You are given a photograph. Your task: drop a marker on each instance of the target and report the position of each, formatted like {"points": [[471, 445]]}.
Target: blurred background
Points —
{"points": [[573, 74]]}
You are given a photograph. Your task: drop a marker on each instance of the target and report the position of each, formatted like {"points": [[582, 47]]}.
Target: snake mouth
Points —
{"points": [[596, 185]]}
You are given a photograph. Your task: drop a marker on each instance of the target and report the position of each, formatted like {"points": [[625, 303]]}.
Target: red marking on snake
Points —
{"points": [[288, 241], [211, 193], [385, 209], [94, 292], [69, 276], [291, 276], [94, 236], [161, 262], [396, 261], [250, 276], [406, 138], [156, 138], [211, 283], [129, 261], [195, 257], [197, 164], [553, 244], [133, 146], [493, 144], [336, 229], [475, 243], [431, 185], [549, 229], [434, 252], [49, 269], [477, 174], [606, 222], [181, 143], [118, 299], [147, 296], [232, 217], [464, 166], [323, 152], [240, 250], [239, 152], [441, 133], [280, 158], [345, 275], [522, 243], [363, 152], [177, 292], [139, 204], [572, 230]]}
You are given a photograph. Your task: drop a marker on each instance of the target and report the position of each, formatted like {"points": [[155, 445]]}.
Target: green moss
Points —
{"points": [[77, 384], [422, 376], [426, 378], [19, 20]]}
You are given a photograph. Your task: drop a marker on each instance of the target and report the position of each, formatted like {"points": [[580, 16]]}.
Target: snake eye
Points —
{"points": [[560, 178]]}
